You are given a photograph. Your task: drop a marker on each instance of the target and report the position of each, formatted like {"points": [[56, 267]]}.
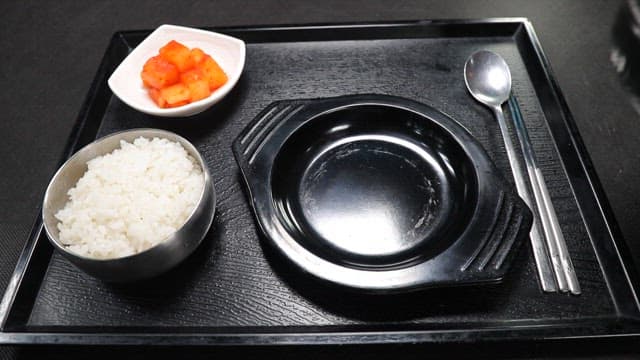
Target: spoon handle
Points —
{"points": [[541, 257]]}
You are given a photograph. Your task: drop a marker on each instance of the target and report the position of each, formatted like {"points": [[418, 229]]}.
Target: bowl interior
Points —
{"points": [[73, 169], [373, 186], [126, 83]]}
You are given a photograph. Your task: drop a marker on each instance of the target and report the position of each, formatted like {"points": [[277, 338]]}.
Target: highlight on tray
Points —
{"points": [[179, 71], [130, 205]]}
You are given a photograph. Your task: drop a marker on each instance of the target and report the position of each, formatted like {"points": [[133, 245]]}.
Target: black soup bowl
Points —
{"points": [[379, 194]]}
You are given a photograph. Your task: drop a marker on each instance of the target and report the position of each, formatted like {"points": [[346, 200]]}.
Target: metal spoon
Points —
{"points": [[488, 79]]}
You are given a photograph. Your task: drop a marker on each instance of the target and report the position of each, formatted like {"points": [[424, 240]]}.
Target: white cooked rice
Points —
{"points": [[130, 199]]}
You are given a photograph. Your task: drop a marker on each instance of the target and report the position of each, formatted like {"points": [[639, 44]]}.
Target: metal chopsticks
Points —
{"points": [[556, 246]]}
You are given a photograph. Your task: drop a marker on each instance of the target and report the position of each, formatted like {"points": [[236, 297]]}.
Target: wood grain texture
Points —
{"points": [[236, 280]]}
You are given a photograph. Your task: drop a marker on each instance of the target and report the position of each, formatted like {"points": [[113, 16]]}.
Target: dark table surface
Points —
{"points": [[51, 51]]}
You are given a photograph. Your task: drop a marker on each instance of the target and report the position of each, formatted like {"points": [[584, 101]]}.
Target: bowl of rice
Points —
{"points": [[131, 205]]}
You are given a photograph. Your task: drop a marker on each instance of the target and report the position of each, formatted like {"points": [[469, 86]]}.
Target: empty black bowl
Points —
{"points": [[373, 186], [379, 193]]}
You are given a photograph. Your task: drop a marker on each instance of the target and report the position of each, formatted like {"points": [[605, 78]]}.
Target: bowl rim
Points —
{"points": [[196, 106], [162, 243]]}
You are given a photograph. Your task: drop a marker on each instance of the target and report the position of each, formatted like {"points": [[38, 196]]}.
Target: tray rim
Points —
{"points": [[604, 208], [625, 327]]}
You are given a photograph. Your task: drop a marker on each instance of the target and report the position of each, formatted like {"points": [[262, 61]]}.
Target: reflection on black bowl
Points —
{"points": [[379, 194]]}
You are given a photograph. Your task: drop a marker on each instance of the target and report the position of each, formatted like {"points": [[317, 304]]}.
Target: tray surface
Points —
{"points": [[234, 284]]}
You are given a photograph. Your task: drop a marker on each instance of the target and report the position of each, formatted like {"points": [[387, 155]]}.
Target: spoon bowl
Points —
{"points": [[488, 78]]}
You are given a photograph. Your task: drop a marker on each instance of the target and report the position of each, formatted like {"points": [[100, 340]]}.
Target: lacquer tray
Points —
{"points": [[235, 290]]}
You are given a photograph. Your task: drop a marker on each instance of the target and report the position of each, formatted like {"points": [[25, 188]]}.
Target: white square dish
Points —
{"points": [[228, 52]]}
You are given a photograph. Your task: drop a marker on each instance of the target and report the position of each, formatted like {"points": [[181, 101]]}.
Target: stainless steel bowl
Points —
{"points": [[148, 263]]}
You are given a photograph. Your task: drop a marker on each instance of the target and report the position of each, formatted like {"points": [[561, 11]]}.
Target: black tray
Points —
{"points": [[235, 290]]}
